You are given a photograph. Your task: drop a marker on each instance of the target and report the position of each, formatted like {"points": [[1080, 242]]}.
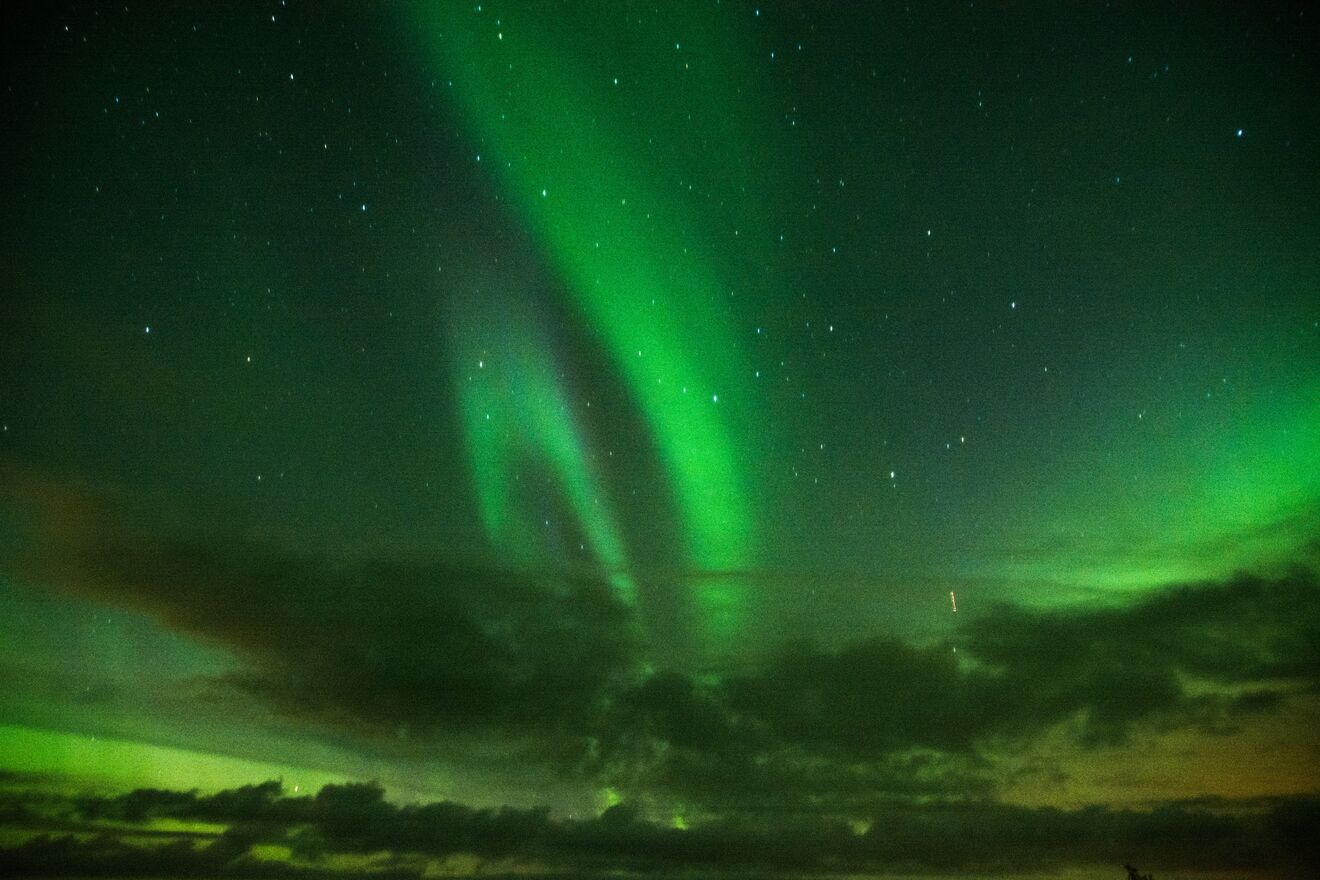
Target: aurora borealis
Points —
{"points": [[516, 439]]}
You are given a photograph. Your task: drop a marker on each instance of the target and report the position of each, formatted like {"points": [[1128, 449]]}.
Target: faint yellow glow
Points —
{"points": [[1264, 758]]}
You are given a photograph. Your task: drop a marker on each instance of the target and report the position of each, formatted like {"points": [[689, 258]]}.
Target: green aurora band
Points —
{"points": [[573, 147], [627, 153], [1242, 494]]}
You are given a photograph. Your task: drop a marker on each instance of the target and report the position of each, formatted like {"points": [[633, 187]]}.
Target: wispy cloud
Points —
{"points": [[345, 820]]}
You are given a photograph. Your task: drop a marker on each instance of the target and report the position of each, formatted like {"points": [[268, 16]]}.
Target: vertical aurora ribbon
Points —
{"points": [[517, 417], [572, 128]]}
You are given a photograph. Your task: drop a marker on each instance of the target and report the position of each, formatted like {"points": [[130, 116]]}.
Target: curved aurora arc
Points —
{"points": [[604, 214]]}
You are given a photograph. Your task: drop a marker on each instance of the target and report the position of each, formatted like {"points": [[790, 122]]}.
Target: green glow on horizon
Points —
{"points": [[1245, 496], [569, 145], [128, 764]]}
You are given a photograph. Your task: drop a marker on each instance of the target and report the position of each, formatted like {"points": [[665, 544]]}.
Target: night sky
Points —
{"points": [[711, 439]]}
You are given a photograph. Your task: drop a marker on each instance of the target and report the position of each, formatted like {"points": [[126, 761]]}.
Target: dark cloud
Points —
{"points": [[388, 647], [431, 647], [370, 646], [878, 695], [1251, 640], [247, 801], [108, 855], [435, 648], [972, 836], [881, 718], [1247, 643]]}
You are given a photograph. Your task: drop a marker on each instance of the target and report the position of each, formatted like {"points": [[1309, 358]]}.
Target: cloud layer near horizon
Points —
{"points": [[355, 820], [379, 650]]}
